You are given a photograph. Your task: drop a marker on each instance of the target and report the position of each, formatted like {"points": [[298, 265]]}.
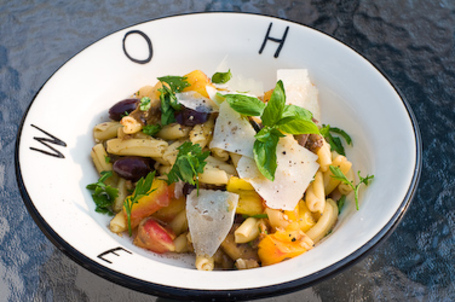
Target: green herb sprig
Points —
{"points": [[143, 188], [334, 141], [151, 129], [169, 102], [189, 163], [277, 117], [103, 195], [338, 174], [145, 104]]}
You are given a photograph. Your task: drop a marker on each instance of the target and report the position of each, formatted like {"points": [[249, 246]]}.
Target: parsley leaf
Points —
{"points": [[189, 163], [103, 195], [221, 77], [169, 102], [145, 104], [335, 142], [143, 188], [176, 83], [151, 129], [338, 174]]}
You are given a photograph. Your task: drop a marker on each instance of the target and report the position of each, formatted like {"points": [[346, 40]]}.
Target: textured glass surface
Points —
{"points": [[411, 41]]}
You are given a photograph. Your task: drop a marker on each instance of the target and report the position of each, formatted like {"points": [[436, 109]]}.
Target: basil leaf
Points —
{"points": [[299, 126], [293, 110], [264, 151], [246, 105], [275, 106], [221, 77]]}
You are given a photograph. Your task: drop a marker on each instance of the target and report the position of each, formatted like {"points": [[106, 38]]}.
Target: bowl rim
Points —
{"points": [[220, 295]]}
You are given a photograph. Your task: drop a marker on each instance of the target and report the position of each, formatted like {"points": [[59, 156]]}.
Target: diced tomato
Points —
{"points": [[147, 205], [154, 236], [282, 245], [198, 82]]}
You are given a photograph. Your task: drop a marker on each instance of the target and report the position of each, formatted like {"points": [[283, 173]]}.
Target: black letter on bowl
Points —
{"points": [[53, 140], [149, 43], [281, 41], [112, 251]]}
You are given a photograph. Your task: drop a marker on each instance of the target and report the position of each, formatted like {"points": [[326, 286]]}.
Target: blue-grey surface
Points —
{"points": [[411, 41]]}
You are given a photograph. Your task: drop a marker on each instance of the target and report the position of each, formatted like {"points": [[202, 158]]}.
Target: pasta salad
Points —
{"points": [[216, 167]]}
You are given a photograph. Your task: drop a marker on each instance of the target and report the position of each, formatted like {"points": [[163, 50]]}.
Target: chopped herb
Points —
{"points": [[222, 77], [151, 129], [107, 159], [338, 174], [189, 163], [143, 188], [334, 141], [145, 104], [126, 113], [103, 195], [169, 102]]}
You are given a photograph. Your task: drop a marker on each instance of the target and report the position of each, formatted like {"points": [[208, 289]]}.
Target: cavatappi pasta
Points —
{"points": [[228, 214]]}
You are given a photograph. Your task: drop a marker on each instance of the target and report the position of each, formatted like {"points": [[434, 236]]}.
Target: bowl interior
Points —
{"points": [[353, 95]]}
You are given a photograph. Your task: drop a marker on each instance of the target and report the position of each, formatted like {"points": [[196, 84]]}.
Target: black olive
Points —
{"points": [[132, 167], [122, 108], [190, 117]]}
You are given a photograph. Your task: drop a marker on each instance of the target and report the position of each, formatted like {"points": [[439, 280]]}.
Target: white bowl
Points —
{"points": [[354, 96]]}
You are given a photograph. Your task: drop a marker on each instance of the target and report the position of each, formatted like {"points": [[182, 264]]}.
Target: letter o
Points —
{"points": [[149, 44]]}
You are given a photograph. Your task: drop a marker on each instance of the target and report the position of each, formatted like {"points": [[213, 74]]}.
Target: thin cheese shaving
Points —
{"points": [[210, 217], [197, 102], [299, 90], [233, 132], [296, 168]]}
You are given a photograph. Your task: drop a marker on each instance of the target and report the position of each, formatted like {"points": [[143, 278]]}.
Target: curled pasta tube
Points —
{"points": [[181, 243], [118, 223], [325, 222], [344, 188], [204, 263], [324, 156], [99, 155], [106, 130], [247, 231], [315, 194], [331, 183], [179, 223]]}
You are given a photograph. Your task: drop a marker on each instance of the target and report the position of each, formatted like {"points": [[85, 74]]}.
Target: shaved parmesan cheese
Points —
{"points": [[233, 132], [197, 102], [296, 168], [210, 217], [299, 90], [239, 83]]}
